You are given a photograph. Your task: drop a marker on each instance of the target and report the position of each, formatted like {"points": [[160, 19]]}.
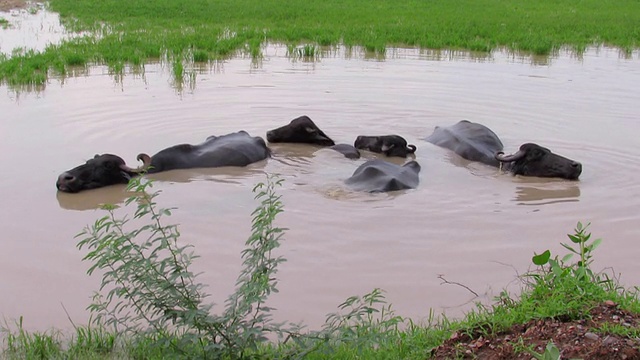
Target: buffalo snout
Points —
{"points": [[577, 169], [271, 136], [65, 182]]}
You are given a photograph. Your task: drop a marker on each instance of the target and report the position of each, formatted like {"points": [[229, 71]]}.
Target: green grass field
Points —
{"points": [[136, 31]]}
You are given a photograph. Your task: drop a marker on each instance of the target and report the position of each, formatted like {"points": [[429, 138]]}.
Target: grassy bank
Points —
{"points": [[136, 31], [154, 306]]}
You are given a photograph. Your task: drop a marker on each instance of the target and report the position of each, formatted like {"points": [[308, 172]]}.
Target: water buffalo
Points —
{"points": [[382, 176], [476, 142], [235, 149], [300, 130], [390, 145], [535, 160], [303, 130]]}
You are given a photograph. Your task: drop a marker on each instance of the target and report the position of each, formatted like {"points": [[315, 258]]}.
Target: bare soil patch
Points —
{"points": [[6, 5], [576, 339]]}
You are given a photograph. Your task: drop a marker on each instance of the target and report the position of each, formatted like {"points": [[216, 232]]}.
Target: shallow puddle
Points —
{"points": [[30, 28], [466, 221]]}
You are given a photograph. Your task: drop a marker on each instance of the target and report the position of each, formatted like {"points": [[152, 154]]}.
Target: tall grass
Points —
{"points": [[136, 31], [86, 342]]}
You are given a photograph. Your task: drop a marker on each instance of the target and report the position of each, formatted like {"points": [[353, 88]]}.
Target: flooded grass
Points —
{"points": [[135, 31]]}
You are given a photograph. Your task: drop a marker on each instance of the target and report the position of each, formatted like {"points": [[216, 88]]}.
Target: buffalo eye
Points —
{"points": [[536, 154], [310, 130]]}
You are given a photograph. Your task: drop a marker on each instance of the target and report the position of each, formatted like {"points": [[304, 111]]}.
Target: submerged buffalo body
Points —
{"points": [[471, 141], [349, 151], [381, 176], [476, 142], [236, 149], [390, 145]]}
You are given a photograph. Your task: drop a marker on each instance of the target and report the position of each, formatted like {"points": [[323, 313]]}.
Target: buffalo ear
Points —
{"points": [[96, 156]]}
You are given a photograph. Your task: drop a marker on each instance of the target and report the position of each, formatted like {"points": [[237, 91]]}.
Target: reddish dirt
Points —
{"points": [[576, 339]]}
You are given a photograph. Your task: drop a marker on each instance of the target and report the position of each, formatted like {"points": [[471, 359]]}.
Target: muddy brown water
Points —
{"points": [[466, 221]]}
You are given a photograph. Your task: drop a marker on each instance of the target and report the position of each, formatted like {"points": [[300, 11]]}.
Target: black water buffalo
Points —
{"points": [[535, 160], [300, 130], [390, 145], [303, 130], [476, 142], [235, 149], [381, 176]]}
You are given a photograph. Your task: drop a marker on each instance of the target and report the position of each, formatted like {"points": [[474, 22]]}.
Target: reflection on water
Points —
{"points": [[93, 199], [227, 174], [117, 194], [530, 195]]}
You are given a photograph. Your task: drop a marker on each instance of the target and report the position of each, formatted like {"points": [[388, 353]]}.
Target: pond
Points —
{"points": [[466, 221]]}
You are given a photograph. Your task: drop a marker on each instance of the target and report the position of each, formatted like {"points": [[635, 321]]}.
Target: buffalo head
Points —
{"points": [[390, 145], [300, 130], [535, 160], [102, 170]]}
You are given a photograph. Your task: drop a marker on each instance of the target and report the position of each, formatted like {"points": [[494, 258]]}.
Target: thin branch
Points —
{"points": [[69, 316], [445, 281]]}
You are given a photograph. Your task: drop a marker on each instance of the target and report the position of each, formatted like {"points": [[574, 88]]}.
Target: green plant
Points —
{"points": [[365, 322], [30, 345], [307, 52], [619, 329], [581, 269], [145, 272], [551, 352]]}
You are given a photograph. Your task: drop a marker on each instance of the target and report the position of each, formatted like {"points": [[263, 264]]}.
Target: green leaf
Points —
{"points": [[541, 259], [556, 268], [595, 244], [575, 239], [551, 352], [569, 248]]}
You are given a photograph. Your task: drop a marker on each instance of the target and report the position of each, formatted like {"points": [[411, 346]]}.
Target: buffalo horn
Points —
{"points": [[500, 156], [146, 162]]}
